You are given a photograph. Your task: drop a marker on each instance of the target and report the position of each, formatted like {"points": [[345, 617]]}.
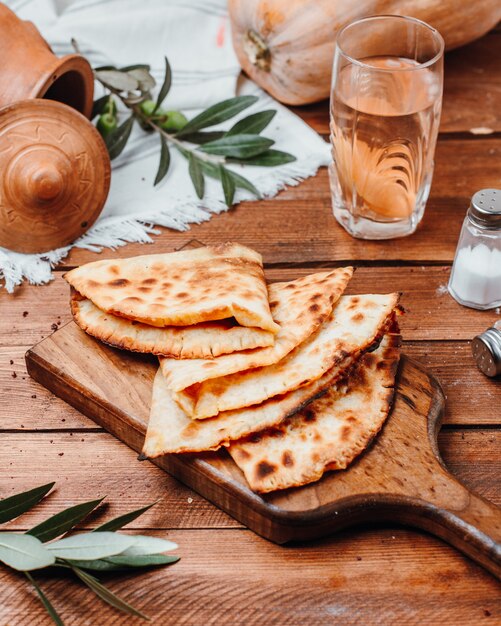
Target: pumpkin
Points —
{"points": [[287, 46]]}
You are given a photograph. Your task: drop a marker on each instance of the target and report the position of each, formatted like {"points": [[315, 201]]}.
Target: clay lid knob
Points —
{"points": [[47, 184], [37, 175], [54, 175]]}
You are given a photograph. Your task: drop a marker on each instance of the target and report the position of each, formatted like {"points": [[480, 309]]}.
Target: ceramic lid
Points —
{"points": [[54, 175]]}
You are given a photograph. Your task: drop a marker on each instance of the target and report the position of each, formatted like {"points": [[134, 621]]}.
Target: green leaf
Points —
{"points": [[90, 546], [117, 139], [270, 158], [143, 77], [252, 124], [214, 171], [105, 67], [45, 601], [106, 595], [142, 560], [243, 183], [97, 565], [238, 146], [202, 137], [63, 521], [120, 521], [136, 66], [98, 106], [134, 98], [120, 562], [164, 89], [163, 166], [144, 545], [24, 552], [228, 186], [17, 504], [211, 169], [115, 79], [196, 175], [219, 113]]}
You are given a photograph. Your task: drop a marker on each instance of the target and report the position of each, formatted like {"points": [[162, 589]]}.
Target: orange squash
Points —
{"points": [[286, 46]]}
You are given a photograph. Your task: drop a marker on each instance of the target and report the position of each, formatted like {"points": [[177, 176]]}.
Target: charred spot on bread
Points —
{"points": [[264, 469], [309, 415], [243, 454], [287, 459], [119, 282], [345, 432]]}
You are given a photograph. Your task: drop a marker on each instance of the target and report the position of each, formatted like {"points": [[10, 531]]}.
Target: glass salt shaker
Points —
{"points": [[476, 273], [486, 349]]}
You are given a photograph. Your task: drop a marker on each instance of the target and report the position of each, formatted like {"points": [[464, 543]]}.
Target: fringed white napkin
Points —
{"points": [[195, 36]]}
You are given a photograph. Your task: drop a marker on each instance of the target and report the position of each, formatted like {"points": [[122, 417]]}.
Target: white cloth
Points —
{"points": [[195, 36]]}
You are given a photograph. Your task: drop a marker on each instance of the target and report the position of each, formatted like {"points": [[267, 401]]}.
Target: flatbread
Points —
{"points": [[171, 430], [204, 340], [329, 433], [355, 323], [299, 307], [180, 288]]}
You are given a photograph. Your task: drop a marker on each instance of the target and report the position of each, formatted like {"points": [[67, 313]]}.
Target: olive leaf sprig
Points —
{"points": [[207, 152], [101, 550]]}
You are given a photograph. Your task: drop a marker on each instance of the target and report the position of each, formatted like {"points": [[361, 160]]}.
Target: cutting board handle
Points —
{"points": [[463, 519]]}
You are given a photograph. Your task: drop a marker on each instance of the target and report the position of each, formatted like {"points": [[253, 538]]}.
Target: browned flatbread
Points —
{"points": [[356, 322], [200, 341], [171, 430], [180, 288], [329, 433], [299, 307]]}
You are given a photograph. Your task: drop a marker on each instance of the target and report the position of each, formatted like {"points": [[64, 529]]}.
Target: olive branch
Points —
{"points": [[207, 152], [101, 550]]}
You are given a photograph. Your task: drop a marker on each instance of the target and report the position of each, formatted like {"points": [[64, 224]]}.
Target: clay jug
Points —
{"points": [[29, 68]]}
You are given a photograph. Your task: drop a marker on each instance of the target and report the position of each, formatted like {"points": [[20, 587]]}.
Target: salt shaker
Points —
{"points": [[486, 349], [476, 273]]}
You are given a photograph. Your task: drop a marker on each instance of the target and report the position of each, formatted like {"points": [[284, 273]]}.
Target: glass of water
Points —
{"points": [[385, 108]]}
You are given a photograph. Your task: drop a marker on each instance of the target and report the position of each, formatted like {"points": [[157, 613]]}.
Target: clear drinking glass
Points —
{"points": [[385, 108]]}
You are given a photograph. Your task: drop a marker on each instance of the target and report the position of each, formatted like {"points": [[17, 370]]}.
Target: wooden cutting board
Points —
{"points": [[399, 479]]}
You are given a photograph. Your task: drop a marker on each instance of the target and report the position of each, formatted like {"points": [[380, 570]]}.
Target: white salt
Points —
{"points": [[476, 276]]}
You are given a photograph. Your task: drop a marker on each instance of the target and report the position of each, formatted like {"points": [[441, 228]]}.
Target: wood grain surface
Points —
{"points": [[228, 575], [472, 455], [297, 226], [400, 477]]}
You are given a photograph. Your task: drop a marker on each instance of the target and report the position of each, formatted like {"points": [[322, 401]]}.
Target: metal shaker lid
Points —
{"points": [[486, 349], [485, 208]]}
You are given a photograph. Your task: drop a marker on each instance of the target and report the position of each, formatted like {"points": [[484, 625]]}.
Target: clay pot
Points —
{"points": [[29, 68], [54, 175]]}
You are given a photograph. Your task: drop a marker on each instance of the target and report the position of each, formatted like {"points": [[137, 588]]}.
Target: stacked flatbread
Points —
{"points": [[295, 378], [195, 303]]}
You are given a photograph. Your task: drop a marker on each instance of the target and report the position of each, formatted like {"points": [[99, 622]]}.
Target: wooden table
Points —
{"points": [[227, 574]]}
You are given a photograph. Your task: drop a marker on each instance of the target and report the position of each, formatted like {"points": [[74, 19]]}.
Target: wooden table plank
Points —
{"points": [[233, 577], [76, 460], [228, 575], [432, 313], [472, 398], [297, 225], [472, 90]]}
